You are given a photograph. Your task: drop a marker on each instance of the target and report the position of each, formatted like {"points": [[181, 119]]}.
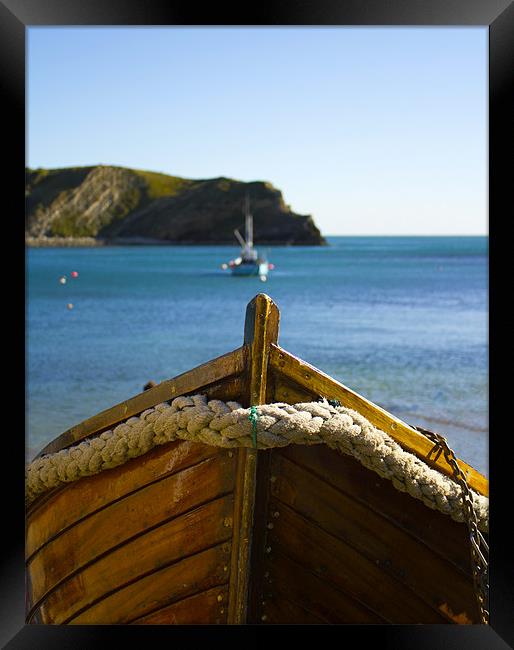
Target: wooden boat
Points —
{"points": [[190, 533]]}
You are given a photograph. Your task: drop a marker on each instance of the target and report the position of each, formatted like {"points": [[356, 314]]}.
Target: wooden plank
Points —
{"points": [[82, 498], [227, 365], [128, 518], [346, 569], [399, 555], [280, 610], [318, 597], [261, 332], [200, 609], [316, 381], [243, 514], [181, 537], [259, 537], [152, 594], [226, 390], [289, 391], [261, 329], [439, 532]]}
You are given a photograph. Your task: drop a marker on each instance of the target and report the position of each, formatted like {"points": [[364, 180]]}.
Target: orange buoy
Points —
{"points": [[74, 274]]}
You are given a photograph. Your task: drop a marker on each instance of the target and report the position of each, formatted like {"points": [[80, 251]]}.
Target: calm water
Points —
{"points": [[401, 320]]}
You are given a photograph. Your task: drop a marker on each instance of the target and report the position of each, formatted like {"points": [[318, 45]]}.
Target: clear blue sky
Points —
{"points": [[371, 130]]}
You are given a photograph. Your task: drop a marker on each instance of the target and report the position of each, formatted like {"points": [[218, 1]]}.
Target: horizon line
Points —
{"points": [[408, 235]]}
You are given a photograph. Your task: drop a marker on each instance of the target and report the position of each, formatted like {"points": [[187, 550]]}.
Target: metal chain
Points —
{"points": [[479, 546]]}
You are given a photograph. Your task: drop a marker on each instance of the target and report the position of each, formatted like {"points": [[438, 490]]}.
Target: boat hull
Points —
{"points": [[194, 534], [260, 269], [138, 543], [154, 542]]}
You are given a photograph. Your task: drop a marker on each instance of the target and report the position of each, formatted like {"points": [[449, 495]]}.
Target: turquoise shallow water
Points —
{"points": [[401, 320]]}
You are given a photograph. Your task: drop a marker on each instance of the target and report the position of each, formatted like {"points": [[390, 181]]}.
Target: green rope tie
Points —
{"points": [[253, 417]]}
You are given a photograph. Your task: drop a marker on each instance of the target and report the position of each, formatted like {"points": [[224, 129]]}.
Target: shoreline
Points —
{"points": [[92, 242], [61, 242]]}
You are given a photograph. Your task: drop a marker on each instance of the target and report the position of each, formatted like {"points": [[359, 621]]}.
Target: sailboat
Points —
{"points": [[248, 262]]}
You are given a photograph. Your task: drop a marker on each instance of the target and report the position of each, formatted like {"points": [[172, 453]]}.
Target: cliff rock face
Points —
{"points": [[122, 205]]}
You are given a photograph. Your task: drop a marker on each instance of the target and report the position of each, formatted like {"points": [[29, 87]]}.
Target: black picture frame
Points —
{"points": [[498, 15]]}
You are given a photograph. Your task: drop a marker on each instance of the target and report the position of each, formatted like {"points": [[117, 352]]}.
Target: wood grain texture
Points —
{"points": [[447, 538], [257, 582], [261, 332], [147, 600], [401, 557], [313, 380], [81, 499], [127, 518], [340, 565], [290, 580], [288, 391], [179, 538], [282, 610], [207, 607]]}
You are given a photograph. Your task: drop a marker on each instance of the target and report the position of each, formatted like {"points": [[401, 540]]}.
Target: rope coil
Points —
{"points": [[275, 425]]}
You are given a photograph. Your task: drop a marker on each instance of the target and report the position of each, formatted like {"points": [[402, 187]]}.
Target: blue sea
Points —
{"points": [[401, 320]]}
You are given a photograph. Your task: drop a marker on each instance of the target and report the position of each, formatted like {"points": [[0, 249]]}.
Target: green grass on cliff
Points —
{"points": [[142, 193], [159, 185], [69, 225], [43, 186]]}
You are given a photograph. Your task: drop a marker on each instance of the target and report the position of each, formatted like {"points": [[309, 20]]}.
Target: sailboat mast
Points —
{"points": [[248, 224]]}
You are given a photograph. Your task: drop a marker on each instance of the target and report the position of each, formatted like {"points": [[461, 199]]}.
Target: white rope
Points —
{"points": [[278, 425]]}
